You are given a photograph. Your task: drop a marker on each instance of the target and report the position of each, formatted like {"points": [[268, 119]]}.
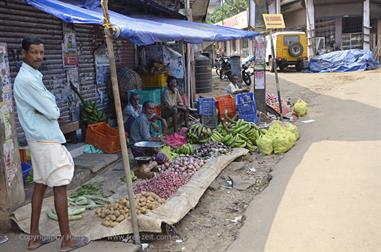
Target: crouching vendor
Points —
{"points": [[141, 131]]}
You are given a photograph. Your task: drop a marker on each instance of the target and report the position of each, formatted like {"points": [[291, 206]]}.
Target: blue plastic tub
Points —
{"points": [[26, 169]]}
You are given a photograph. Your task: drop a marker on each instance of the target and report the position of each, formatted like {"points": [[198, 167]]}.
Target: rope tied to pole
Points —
{"points": [[110, 29]]}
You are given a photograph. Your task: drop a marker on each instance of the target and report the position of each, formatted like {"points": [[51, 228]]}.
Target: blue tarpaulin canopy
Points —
{"points": [[141, 30]]}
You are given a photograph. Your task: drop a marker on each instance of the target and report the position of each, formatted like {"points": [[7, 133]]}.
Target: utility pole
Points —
{"points": [[310, 17]]}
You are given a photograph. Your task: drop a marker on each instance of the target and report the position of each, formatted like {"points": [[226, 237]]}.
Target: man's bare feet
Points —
{"points": [[74, 242], [37, 241]]}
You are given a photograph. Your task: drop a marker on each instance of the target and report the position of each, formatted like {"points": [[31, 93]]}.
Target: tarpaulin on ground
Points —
{"points": [[343, 61], [141, 30], [174, 209]]}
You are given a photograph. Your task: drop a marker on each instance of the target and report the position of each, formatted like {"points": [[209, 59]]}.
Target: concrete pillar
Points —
{"points": [[379, 33], [238, 46], [228, 48], [277, 6], [310, 20], [251, 47], [338, 31], [11, 182], [366, 25]]}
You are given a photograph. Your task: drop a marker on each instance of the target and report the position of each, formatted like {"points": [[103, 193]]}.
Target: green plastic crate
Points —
{"points": [[153, 94]]}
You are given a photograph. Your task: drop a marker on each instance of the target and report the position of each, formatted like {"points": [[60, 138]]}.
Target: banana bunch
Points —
{"points": [[186, 149], [239, 134], [198, 133], [90, 114]]}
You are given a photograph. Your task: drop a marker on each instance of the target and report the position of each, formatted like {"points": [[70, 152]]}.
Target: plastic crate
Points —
{"points": [[247, 108], [225, 105], [153, 95], [102, 136], [244, 98], [249, 117], [210, 121], [154, 80], [206, 106]]}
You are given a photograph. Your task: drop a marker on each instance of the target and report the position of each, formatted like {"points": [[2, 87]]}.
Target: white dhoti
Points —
{"points": [[52, 164]]}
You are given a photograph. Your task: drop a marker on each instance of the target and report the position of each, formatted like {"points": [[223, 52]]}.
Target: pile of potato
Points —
{"points": [[120, 210]]}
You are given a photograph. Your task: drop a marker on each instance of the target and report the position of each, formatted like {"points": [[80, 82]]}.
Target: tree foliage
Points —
{"points": [[229, 9]]}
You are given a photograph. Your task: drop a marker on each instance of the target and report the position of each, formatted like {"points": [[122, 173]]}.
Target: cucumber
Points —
{"points": [[52, 215], [76, 211]]}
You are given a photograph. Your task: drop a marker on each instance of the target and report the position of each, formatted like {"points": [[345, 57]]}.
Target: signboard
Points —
{"points": [[69, 50], [274, 21], [239, 21]]}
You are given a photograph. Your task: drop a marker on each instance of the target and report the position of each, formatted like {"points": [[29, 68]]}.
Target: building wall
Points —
{"points": [[18, 20], [337, 10], [295, 19]]}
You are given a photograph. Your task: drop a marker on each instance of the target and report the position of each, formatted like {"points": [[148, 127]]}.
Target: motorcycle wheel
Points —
{"points": [[218, 70], [246, 78], [221, 74]]}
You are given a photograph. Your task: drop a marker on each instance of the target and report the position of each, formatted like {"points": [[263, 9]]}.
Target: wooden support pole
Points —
{"points": [[109, 31]]}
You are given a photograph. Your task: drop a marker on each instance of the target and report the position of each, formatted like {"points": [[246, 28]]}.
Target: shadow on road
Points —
{"points": [[336, 119]]}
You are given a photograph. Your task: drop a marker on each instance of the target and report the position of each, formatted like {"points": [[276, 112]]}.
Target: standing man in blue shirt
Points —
{"points": [[52, 164]]}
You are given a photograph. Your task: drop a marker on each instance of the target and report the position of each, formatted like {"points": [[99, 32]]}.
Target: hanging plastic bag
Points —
{"points": [[293, 129], [283, 142], [265, 144], [300, 108]]}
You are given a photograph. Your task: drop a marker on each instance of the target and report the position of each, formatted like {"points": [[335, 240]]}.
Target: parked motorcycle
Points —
{"points": [[225, 70], [246, 74], [217, 64], [245, 71]]}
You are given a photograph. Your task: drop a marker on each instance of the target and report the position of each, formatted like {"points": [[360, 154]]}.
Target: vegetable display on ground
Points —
{"points": [[119, 211], [163, 184]]}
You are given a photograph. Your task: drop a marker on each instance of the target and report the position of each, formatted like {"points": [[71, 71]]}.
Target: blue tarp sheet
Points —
{"points": [[140, 30], [343, 61]]}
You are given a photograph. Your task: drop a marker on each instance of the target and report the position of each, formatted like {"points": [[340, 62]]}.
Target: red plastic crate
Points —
{"points": [[226, 105], [102, 136]]}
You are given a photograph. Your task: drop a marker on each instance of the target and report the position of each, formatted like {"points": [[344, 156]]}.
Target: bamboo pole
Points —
{"points": [[276, 75], [109, 30]]}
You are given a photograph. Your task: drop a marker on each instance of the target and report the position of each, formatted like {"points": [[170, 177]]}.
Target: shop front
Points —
{"points": [[77, 68]]}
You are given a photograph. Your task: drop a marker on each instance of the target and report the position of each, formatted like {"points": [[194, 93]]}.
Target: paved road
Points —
{"points": [[326, 193]]}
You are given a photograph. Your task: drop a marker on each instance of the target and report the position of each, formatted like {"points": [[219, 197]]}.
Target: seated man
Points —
{"points": [[141, 129], [235, 86], [131, 111], [173, 104]]}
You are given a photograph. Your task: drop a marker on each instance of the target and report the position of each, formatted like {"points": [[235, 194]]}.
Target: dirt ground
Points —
{"points": [[216, 220]]}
